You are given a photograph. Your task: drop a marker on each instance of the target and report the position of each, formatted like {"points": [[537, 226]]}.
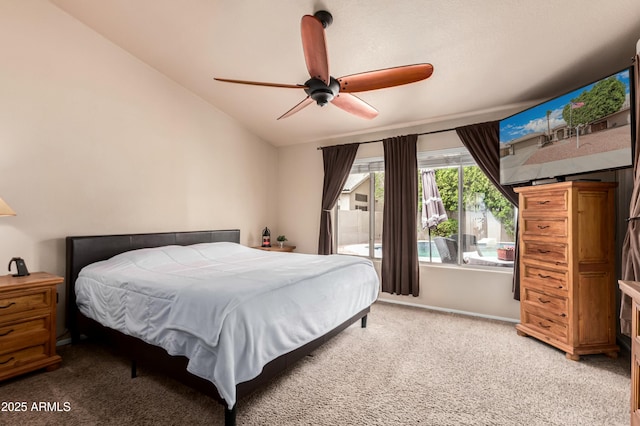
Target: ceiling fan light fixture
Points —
{"points": [[320, 92], [322, 97]]}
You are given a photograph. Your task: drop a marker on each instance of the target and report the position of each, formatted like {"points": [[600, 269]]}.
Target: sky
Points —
{"points": [[534, 120]]}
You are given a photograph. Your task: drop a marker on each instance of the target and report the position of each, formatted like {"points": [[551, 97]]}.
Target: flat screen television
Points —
{"points": [[586, 130]]}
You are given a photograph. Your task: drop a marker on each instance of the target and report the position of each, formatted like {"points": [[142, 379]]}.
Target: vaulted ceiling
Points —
{"points": [[490, 58]]}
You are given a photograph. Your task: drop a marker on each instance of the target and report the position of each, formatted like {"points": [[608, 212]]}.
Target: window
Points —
{"points": [[479, 219], [358, 223], [489, 221]]}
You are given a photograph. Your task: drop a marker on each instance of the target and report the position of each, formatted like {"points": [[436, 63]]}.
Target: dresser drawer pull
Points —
{"points": [[544, 276], [544, 202], [544, 251], [544, 326], [7, 361], [543, 226], [541, 300], [8, 306], [7, 333]]}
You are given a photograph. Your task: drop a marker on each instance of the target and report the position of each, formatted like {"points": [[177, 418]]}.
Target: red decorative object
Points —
{"points": [[266, 237], [506, 253]]}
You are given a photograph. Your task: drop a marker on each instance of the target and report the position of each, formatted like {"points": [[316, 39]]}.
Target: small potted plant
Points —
{"points": [[281, 239]]}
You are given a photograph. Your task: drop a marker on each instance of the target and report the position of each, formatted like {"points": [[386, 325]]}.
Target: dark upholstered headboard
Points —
{"points": [[84, 250]]}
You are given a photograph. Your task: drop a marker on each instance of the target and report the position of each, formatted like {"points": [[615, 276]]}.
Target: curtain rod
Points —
{"points": [[381, 140]]}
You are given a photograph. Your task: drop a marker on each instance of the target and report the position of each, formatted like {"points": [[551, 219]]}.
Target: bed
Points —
{"points": [[149, 319]]}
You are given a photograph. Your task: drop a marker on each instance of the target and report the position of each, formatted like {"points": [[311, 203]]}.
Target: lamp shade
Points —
{"points": [[5, 210]]}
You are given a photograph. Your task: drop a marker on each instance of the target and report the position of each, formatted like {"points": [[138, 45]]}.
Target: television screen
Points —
{"points": [[586, 130]]}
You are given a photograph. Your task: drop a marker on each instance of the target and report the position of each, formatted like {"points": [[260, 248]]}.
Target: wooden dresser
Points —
{"points": [[567, 266], [28, 323], [632, 289]]}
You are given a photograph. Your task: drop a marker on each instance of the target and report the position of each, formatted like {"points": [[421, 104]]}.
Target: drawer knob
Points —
{"points": [[7, 361], [7, 333], [543, 202], [8, 306], [541, 300], [543, 325], [544, 276], [543, 226], [544, 251]]}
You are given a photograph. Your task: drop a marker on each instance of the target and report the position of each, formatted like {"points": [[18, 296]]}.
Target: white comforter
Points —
{"points": [[228, 308]]}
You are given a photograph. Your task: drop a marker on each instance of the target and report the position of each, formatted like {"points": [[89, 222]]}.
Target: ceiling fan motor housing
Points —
{"points": [[321, 92], [324, 17]]}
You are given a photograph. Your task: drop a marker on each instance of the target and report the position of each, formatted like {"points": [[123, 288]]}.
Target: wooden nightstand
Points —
{"points": [[287, 249], [28, 323]]}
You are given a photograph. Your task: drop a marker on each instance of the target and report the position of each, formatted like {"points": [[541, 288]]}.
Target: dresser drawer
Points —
{"points": [[553, 227], [546, 305], [22, 357], [21, 301], [555, 253], [552, 329], [17, 335], [548, 281], [545, 202]]}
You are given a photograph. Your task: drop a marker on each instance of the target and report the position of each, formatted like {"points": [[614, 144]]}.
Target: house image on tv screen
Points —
{"points": [[586, 130]]}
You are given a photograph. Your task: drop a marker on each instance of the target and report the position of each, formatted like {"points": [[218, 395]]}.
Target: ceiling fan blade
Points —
{"points": [[306, 102], [380, 79], [258, 83], [315, 48], [354, 105]]}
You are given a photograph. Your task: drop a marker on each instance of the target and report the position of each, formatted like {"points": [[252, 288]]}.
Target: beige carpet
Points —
{"points": [[408, 367]]}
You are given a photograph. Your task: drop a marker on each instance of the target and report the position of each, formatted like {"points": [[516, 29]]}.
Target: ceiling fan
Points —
{"points": [[322, 88]]}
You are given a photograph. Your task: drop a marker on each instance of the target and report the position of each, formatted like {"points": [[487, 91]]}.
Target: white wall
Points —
{"points": [[93, 141], [299, 195], [463, 289]]}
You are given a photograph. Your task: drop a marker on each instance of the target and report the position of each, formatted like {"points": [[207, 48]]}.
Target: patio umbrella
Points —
{"points": [[432, 208], [433, 211]]}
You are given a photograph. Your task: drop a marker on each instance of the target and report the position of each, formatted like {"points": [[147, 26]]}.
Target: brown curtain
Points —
{"points": [[400, 267], [483, 143], [631, 244], [337, 164]]}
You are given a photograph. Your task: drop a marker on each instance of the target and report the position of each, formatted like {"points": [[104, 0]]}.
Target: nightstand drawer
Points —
{"points": [[17, 335], [22, 357], [14, 302]]}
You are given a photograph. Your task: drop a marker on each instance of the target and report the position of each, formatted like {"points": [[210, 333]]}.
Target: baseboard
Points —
{"points": [[451, 311], [63, 342]]}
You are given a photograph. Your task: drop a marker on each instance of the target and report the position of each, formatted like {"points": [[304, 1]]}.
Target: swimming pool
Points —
{"points": [[424, 250]]}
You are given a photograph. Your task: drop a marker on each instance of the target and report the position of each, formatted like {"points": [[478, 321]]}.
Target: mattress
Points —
{"points": [[228, 308]]}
